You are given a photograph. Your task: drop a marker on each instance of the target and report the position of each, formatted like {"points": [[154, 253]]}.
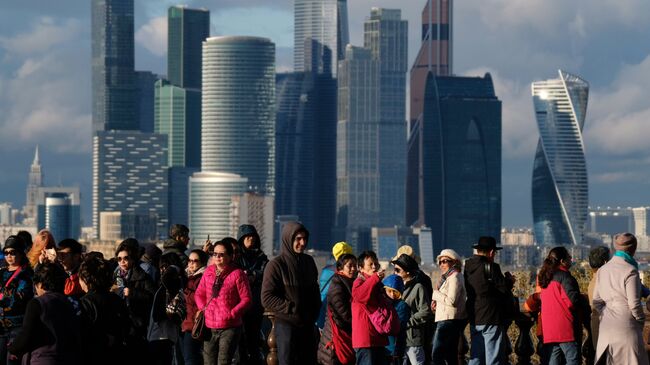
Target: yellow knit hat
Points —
{"points": [[340, 248]]}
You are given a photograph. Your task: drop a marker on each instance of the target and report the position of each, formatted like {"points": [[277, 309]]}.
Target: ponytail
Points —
{"points": [[551, 264]]}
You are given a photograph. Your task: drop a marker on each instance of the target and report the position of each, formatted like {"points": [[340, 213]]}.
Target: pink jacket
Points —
{"points": [[226, 309]]}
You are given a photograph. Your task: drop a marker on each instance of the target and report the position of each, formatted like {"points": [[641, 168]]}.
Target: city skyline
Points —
{"points": [[617, 116]]}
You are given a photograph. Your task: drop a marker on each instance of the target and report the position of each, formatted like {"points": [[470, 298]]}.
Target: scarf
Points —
{"points": [[444, 276], [628, 258], [197, 272], [220, 278]]}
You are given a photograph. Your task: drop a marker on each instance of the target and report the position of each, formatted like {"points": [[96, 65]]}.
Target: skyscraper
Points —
{"points": [[130, 176], [186, 30], [113, 80], [62, 217], [238, 123], [317, 21], [144, 84], [456, 186], [560, 191], [35, 181]]}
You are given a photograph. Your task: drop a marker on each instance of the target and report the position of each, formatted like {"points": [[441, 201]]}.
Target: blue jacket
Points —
{"points": [[397, 344], [324, 283]]}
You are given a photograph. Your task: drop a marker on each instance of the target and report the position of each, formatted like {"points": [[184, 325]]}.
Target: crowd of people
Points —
{"points": [[147, 305]]}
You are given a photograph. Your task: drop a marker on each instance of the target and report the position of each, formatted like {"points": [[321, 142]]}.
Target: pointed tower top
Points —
{"points": [[37, 160]]}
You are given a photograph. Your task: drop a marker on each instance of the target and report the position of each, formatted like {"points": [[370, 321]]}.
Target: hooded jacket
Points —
{"points": [[177, 247], [253, 261], [290, 283], [486, 297]]}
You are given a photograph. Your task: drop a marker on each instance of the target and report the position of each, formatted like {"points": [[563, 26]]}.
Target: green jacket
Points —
{"points": [[415, 297]]}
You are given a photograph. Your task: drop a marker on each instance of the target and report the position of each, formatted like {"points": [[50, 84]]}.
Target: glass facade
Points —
{"points": [[457, 192], [179, 194], [145, 81], [130, 176], [186, 30], [210, 197], [560, 191], [238, 116], [113, 79], [178, 115], [62, 218], [316, 21]]}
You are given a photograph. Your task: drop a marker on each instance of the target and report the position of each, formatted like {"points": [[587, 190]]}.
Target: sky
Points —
{"points": [[45, 91]]}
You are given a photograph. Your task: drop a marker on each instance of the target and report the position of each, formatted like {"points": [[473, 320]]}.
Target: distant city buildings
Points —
{"points": [[59, 211], [560, 191], [130, 176], [34, 182], [610, 221], [517, 237], [454, 162], [144, 85], [256, 209]]}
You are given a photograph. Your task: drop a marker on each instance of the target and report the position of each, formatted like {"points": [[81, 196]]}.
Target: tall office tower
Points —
{"points": [[238, 118], [560, 191], [178, 116], [113, 81], [641, 221], [179, 178], [62, 216], [210, 203], [187, 29], [317, 21], [342, 29], [130, 176], [144, 84], [35, 181], [457, 190], [256, 209], [386, 35], [436, 51]]}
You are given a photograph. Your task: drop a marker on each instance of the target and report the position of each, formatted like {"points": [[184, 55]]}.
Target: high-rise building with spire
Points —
{"points": [[35, 181], [560, 190]]}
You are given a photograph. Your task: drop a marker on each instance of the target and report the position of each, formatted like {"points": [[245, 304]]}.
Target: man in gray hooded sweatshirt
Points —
{"points": [[290, 290]]}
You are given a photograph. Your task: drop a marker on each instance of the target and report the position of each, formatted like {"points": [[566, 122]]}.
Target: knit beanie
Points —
{"points": [[394, 282]]}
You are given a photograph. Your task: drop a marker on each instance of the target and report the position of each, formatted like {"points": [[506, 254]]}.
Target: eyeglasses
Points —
{"points": [[10, 253], [219, 254], [191, 261], [122, 258], [444, 261]]}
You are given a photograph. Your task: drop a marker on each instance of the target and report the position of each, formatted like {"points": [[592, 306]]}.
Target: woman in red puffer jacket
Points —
{"points": [[225, 294]]}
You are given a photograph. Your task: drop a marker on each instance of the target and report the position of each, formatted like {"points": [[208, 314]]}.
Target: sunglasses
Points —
{"points": [[444, 261], [122, 258], [219, 254], [10, 253], [193, 261]]}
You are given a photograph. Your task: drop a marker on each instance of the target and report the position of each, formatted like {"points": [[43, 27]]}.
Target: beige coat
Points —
{"points": [[617, 298], [450, 298]]}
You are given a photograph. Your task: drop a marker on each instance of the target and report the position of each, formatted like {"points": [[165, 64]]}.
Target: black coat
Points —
{"points": [[140, 299], [486, 297], [339, 302], [104, 326]]}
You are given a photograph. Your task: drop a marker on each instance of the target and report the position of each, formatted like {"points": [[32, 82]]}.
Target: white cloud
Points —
{"points": [[153, 36], [45, 34]]}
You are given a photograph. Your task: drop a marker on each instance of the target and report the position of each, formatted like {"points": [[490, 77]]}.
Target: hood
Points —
{"points": [[475, 263], [172, 243], [248, 230], [288, 233]]}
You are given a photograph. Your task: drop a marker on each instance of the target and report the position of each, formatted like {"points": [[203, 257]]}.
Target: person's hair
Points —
{"points": [[364, 255], [344, 259], [131, 246], [73, 245], [178, 230], [203, 256], [550, 265], [27, 239], [598, 256], [94, 254], [232, 242], [96, 273], [225, 244], [43, 239], [51, 276]]}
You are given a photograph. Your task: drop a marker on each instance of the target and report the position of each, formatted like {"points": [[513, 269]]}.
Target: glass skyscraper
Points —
{"points": [[457, 190], [130, 176], [62, 217], [113, 79], [145, 81], [186, 30], [318, 21], [238, 116], [371, 130], [560, 192]]}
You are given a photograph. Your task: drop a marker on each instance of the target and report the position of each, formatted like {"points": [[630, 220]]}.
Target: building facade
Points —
{"points": [[258, 210], [145, 96], [238, 116], [560, 191], [34, 182], [130, 176], [58, 208], [455, 188], [317, 21], [113, 78], [186, 30]]}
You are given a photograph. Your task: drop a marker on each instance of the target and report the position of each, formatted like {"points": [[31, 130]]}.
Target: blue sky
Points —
{"points": [[45, 80]]}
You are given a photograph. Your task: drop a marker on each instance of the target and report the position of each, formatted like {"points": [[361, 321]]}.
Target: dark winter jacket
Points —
{"points": [[290, 284], [561, 301], [397, 344], [415, 295], [50, 333], [192, 283], [339, 301], [253, 261], [139, 301], [104, 326], [171, 245], [15, 296], [487, 297]]}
